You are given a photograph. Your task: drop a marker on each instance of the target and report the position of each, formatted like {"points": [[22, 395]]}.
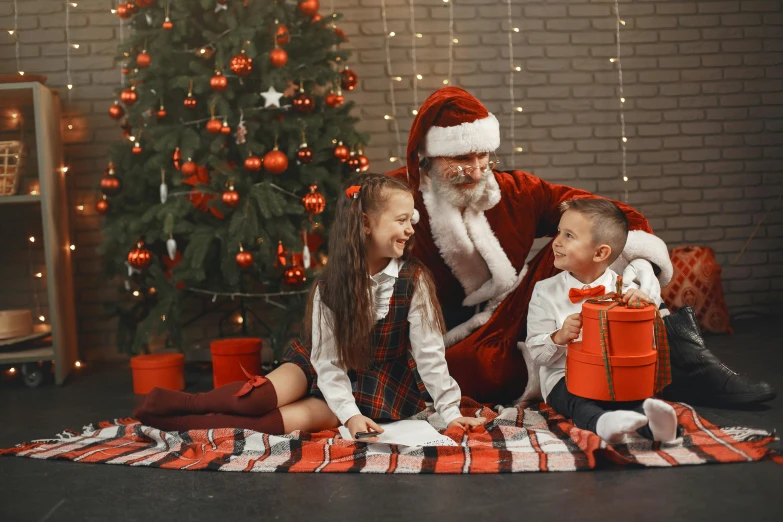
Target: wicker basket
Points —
{"points": [[11, 166]]}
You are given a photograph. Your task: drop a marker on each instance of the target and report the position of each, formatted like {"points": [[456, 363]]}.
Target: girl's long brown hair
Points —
{"points": [[345, 282]]}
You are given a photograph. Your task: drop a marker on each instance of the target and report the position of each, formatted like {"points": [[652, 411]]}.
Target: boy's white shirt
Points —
{"points": [[427, 348], [549, 308]]}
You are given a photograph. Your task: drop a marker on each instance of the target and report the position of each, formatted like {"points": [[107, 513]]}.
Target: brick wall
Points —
{"points": [[704, 111]]}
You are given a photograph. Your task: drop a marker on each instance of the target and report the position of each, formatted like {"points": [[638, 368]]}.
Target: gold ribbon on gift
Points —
{"points": [[663, 374]]}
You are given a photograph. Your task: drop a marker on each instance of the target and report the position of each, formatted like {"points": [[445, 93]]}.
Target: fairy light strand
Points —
{"points": [[68, 46], [624, 138], [449, 80], [391, 77], [416, 75], [511, 81], [16, 40]]}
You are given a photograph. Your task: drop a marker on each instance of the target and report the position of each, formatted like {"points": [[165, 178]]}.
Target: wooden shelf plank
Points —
{"points": [[44, 353], [28, 198]]}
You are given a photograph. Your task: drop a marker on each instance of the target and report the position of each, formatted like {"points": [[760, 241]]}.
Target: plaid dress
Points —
{"points": [[390, 388]]}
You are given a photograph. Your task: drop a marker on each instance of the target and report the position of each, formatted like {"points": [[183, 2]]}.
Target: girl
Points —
{"points": [[376, 330]]}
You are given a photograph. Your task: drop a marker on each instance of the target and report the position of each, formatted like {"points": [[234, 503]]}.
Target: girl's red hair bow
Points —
{"points": [[352, 191]]}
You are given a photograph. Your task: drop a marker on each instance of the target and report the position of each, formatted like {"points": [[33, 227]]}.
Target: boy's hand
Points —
{"points": [[570, 330], [359, 423], [634, 295], [467, 422]]}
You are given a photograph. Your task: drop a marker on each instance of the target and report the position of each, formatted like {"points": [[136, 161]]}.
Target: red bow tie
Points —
{"points": [[578, 294]]}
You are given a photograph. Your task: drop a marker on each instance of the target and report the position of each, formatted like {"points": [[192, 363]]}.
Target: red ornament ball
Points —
{"points": [[316, 18], [275, 162], [139, 257], [294, 276], [161, 113], [308, 7], [136, 148], [126, 10], [241, 65], [225, 129], [304, 154], [364, 163], [253, 163], [189, 168], [278, 57], [128, 96], [102, 206], [244, 259], [354, 163], [231, 198], [176, 158], [111, 185], [218, 83], [349, 80], [190, 102], [304, 103], [283, 35], [116, 112], [214, 126], [341, 152], [145, 3], [143, 59], [334, 100], [314, 202], [167, 24]]}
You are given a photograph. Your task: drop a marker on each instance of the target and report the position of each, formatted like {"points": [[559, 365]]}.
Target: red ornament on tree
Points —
{"points": [[143, 59], [304, 154], [214, 126], [253, 163], [136, 147], [241, 65], [161, 113], [176, 159], [139, 257], [102, 206], [354, 163], [334, 100], [189, 168], [314, 202], [340, 33], [278, 57], [218, 83], [128, 96], [316, 18], [167, 25], [304, 103], [364, 162], [350, 80], [275, 162], [225, 129], [111, 185], [126, 10], [308, 7], [244, 259], [282, 35], [190, 102], [116, 112], [145, 3], [282, 255], [231, 197], [341, 152], [294, 276]]}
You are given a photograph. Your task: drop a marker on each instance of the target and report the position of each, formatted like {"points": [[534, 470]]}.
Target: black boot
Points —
{"points": [[698, 377]]}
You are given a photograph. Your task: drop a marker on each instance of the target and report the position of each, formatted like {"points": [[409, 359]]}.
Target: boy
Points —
{"points": [[591, 235]]}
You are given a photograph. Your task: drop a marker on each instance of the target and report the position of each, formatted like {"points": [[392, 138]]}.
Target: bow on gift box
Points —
{"points": [[663, 373]]}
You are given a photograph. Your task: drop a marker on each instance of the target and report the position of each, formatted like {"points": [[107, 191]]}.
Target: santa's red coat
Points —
{"points": [[487, 363]]}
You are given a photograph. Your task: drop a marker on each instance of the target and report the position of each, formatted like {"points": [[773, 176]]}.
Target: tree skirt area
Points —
{"points": [[515, 440]]}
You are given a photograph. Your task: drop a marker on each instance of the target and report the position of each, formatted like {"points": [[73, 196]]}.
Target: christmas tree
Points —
{"points": [[237, 138]]}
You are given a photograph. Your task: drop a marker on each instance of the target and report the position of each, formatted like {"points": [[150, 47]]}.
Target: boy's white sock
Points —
{"points": [[612, 426], [663, 420]]}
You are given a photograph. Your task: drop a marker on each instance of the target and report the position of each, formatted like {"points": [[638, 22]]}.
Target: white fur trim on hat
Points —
{"points": [[476, 136]]}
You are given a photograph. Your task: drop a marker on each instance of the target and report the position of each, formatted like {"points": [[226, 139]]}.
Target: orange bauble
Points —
{"points": [[282, 35], [253, 163], [244, 259], [304, 154], [176, 158], [231, 197], [278, 57], [225, 129], [145, 3], [334, 100], [143, 59], [189, 168], [275, 162], [167, 25], [350, 80], [102, 206], [116, 111], [214, 126], [304, 103], [314, 202], [218, 83], [111, 185], [128, 96], [316, 18], [308, 7], [341, 152], [190, 102], [161, 113], [136, 148], [354, 163], [294, 276], [139, 257], [364, 163], [241, 65], [126, 10]]}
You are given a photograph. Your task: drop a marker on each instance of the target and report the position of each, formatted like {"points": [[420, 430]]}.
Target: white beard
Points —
{"points": [[451, 192]]}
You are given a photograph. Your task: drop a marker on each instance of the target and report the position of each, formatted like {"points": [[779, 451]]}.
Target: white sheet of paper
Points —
{"points": [[407, 433]]}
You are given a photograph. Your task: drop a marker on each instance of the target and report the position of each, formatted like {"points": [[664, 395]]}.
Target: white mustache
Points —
{"points": [[465, 179]]}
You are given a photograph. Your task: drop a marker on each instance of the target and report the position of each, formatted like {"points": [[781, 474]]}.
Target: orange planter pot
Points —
{"points": [[633, 376], [164, 370], [630, 329], [229, 356]]}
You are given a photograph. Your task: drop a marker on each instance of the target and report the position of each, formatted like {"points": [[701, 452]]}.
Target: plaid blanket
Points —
{"points": [[515, 440]]}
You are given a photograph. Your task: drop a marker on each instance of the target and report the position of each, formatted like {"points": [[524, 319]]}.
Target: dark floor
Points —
{"points": [[51, 491]]}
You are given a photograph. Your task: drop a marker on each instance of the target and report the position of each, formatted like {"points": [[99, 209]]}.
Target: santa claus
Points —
{"points": [[476, 229]]}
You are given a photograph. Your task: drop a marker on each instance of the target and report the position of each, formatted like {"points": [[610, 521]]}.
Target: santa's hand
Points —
{"points": [[640, 272]]}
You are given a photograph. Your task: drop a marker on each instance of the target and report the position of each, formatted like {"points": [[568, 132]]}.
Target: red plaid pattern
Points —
{"points": [[390, 387]]}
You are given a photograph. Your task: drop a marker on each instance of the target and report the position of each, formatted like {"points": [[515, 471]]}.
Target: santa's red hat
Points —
{"points": [[451, 122]]}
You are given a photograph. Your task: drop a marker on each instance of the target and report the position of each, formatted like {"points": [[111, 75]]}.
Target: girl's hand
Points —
{"points": [[359, 423], [570, 330], [467, 422], [636, 296]]}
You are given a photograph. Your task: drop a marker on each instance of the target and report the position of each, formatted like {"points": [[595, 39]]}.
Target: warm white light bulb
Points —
{"points": [[11, 32], [455, 40], [386, 117], [622, 22], [445, 82], [74, 4], [418, 35], [39, 274], [78, 364], [516, 29], [419, 76], [70, 86], [21, 73], [132, 138], [70, 127], [64, 169], [414, 112], [32, 239], [398, 78], [517, 68], [519, 109], [392, 34], [14, 115], [42, 318], [625, 140], [75, 46], [625, 178], [622, 100], [612, 60], [73, 247], [519, 149], [80, 207], [113, 11], [240, 320], [135, 293], [392, 159]]}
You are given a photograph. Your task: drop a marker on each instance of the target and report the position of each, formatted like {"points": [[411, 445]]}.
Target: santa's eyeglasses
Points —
{"points": [[468, 169]]}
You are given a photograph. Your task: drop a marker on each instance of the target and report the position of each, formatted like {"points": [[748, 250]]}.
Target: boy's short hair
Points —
{"points": [[610, 224]]}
